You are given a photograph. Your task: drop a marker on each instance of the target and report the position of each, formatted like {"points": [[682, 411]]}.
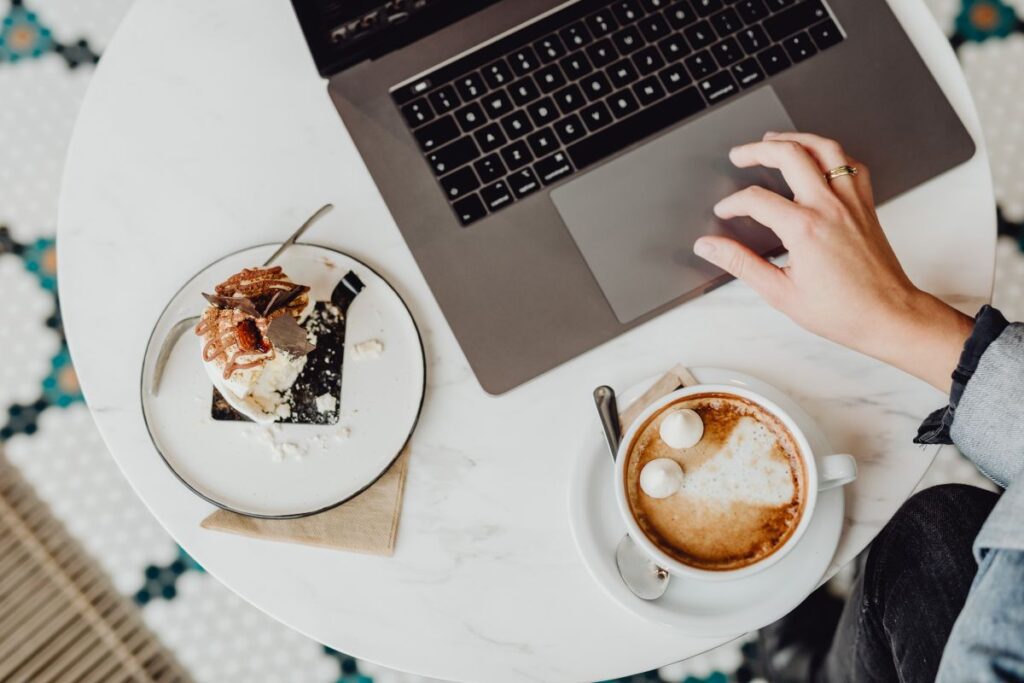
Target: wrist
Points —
{"points": [[924, 336]]}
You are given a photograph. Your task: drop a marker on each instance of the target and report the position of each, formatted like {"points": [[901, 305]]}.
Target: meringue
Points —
{"points": [[661, 477], [681, 429]]}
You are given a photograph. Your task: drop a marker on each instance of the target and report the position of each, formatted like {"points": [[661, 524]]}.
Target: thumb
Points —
{"points": [[743, 264]]}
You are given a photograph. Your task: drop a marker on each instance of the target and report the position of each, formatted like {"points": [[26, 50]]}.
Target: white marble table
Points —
{"points": [[206, 129]]}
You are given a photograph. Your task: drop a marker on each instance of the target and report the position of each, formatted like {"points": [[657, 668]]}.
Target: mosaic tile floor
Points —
{"points": [[47, 52]]}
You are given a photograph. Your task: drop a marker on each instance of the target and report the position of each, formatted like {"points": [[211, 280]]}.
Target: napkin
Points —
{"points": [[367, 523], [675, 378]]}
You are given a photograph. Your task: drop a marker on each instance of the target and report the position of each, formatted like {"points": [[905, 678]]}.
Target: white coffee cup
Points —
{"points": [[822, 472]]}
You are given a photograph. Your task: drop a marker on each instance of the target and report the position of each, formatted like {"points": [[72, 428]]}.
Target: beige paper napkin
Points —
{"points": [[367, 524], [675, 378]]}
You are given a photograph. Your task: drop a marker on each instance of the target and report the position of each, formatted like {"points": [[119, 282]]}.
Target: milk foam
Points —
{"points": [[743, 470]]}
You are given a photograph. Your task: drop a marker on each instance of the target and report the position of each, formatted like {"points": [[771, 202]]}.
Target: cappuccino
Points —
{"points": [[743, 489]]}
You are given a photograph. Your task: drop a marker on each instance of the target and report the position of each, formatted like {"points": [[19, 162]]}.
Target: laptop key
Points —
{"points": [[623, 103], [748, 72], [674, 47], [680, 14], [596, 116], [553, 168], [795, 18], [626, 11], [718, 87], [773, 59], [435, 134], [700, 64], [523, 182], [524, 91], [826, 34], [655, 5], [674, 77], [497, 104], [543, 112], [799, 47], [516, 155], [542, 142], [569, 129], [627, 40], [497, 74], [451, 157], [777, 5], [596, 86], [469, 210], [460, 183], [471, 117], [752, 10], [753, 39], [576, 35], [601, 23], [654, 28], [470, 86], [602, 53], [622, 73], [726, 22], [570, 98], [444, 99], [497, 195], [490, 137], [516, 125], [648, 60], [649, 91], [576, 65], [489, 168], [700, 35], [550, 48], [706, 7], [418, 112], [727, 52], [623, 133], [550, 78], [523, 61]]}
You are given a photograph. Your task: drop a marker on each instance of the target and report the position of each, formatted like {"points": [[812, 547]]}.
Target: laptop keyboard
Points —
{"points": [[579, 85]]}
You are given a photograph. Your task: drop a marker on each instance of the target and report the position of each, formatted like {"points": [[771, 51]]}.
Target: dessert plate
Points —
{"points": [[702, 608], [289, 470]]}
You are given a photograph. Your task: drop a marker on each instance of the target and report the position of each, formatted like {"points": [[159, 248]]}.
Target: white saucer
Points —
{"points": [[247, 468], [702, 608]]}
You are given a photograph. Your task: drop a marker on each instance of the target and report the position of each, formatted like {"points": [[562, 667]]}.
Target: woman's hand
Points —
{"points": [[843, 280]]}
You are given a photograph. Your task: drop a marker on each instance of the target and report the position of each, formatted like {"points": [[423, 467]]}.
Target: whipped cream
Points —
{"points": [[661, 477], [681, 429]]}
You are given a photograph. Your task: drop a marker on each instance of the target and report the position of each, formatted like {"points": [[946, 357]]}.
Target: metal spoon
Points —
{"points": [[641, 575], [179, 327]]}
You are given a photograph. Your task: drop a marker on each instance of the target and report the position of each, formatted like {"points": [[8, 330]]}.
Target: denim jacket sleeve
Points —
{"points": [[985, 415], [985, 419]]}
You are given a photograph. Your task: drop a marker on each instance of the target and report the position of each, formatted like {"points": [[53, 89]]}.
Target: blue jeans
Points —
{"points": [[919, 570]]}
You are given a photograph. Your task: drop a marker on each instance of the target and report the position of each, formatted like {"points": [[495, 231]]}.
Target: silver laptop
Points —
{"points": [[550, 164]]}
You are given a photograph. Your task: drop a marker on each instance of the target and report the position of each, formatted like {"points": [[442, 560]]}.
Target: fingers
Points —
{"points": [[829, 154], [767, 208], [739, 261], [798, 167]]}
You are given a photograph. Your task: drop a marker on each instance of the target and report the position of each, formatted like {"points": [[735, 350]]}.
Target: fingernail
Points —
{"points": [[770, 133], [703, 248]]}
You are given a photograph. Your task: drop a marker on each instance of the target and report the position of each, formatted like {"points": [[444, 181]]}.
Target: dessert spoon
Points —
{"points": [[179, 327], [641, 575]]}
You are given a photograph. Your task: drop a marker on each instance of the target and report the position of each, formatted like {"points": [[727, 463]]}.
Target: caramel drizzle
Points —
{"points": [[250, 282]]}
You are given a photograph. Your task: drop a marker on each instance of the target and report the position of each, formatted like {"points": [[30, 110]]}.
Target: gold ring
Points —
{"points": [[840, 171]]}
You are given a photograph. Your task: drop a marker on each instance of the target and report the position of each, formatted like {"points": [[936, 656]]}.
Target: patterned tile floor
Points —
{"points": [[47, 52]]}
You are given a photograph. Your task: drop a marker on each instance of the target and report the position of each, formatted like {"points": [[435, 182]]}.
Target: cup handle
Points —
{"points": [[836, 470]]}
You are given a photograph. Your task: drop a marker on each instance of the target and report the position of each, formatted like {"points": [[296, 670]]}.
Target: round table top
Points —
{"points": [[207, 129]]}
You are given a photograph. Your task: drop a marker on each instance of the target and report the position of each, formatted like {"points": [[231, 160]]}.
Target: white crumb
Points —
{"points": [[327, 262], [371, 348], [343, 433], [292, 450], [326, 403]]}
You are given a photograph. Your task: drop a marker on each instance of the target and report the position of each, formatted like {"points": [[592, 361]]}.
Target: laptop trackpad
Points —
{"points": [[635, 218]]}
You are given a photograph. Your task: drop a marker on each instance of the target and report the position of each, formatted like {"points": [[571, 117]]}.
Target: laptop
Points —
{"points": [[550, 164]]}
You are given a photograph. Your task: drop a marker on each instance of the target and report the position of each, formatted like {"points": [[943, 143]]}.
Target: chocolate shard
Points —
{"points": [[285, 333], [346, 290], [282, 298], [239, 303]]}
